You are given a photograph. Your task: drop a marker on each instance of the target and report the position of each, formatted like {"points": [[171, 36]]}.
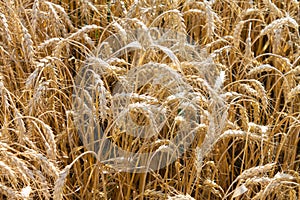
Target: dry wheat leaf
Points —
{"points": [[239, 191]]}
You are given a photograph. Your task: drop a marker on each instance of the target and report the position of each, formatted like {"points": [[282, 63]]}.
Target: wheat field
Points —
{"points": [[230, 76]]}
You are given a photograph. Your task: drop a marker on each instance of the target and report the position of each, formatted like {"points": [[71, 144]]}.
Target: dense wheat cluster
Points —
{"points": [[231, 75]]}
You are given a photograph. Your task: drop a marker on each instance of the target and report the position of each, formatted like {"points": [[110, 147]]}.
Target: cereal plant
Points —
{"points": [[169, 99]]}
